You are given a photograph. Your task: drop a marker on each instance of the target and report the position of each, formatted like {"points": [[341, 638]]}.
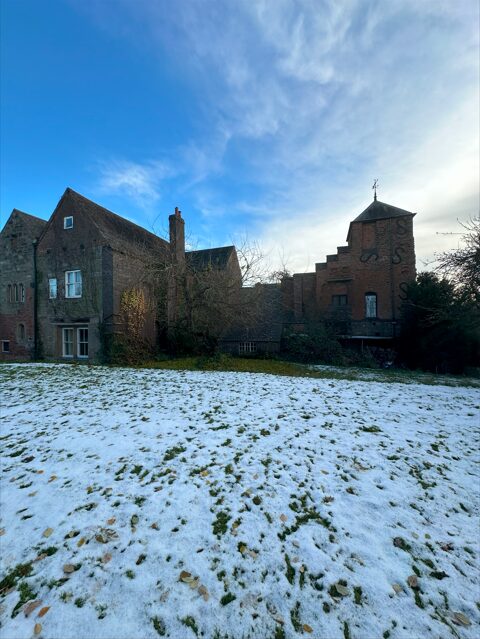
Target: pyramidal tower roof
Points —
{"points": [[380, 211]]}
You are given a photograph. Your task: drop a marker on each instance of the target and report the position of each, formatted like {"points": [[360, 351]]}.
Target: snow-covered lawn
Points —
{"points": [[146, 503]]}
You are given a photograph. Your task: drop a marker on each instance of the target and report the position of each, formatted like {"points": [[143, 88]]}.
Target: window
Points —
{"points": [[67, 340], [339, 300], [22, 292], [68, 222], [82, 342], [21, 332], [9, 293], [73, 284], [370, 305], [247, 347], [5, 346], [15, 293], [52, 288]]}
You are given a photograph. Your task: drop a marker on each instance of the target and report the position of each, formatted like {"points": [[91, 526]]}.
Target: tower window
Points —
{"points": [[68, 222], [370, 305]]}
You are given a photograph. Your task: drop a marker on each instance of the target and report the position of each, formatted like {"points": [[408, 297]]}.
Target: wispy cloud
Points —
{"points": [[305, 102], [139, 182]]}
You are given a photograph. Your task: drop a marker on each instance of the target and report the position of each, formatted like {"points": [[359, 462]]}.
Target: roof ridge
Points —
{"points": [[35, 217], [116, 215]]}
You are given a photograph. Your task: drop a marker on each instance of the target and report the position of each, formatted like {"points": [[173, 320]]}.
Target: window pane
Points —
{"points": [[371, 305], [83, 342], [68, 342], [52, 288]]}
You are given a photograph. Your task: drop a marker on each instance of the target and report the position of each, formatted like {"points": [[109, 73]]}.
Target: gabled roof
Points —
{"points": [[34, 224], [116, 231], [380, 211], [206, 258]]}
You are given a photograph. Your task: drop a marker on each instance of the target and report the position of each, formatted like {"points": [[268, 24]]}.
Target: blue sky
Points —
{"points": [[259, 119]]}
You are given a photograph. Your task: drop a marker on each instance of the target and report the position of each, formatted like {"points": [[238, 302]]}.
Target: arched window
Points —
{"points": [[22, 292], [21, 332], [370, 305], [9, 293], [15, 293]]}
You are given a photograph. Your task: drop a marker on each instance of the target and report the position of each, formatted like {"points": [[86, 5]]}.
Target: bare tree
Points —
{"points": [[462, 266]]}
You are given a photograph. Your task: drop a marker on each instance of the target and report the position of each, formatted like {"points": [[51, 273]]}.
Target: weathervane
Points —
{"points": [[374, 187]]}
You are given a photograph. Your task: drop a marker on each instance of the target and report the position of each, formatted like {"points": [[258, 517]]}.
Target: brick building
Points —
{"points": [[62, 283], [17, 284], [86, 258], [360, 288]]}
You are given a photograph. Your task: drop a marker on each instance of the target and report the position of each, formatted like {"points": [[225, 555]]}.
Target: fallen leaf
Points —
{"points": [[111, 521], [30, 606], [154, 526], [32, 494], [80, 542], [40, 557], [89, 490], [39, 472], [68, 568], [342, 590], [204, 592], [2, 531], [307, 628], [47, 532], [193, 584], [397, 587], [283, 517], [460, 619], [185, 576], [204, 473], [412, 581], [43, 611], [302, 569], [52, 478], [106, 558], [242, 549], [37, 629]]}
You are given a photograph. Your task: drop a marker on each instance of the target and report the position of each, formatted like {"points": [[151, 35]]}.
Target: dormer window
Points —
{"points": [[68, 222]]}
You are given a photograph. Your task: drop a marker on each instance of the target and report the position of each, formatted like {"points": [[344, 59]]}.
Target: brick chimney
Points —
{"points": [[177, 236]]}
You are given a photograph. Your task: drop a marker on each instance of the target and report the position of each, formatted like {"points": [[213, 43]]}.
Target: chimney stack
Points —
{"points": [[177, 236]]}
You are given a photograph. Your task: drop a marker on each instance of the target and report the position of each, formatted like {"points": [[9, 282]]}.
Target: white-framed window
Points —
{"points": [[82, 342], [5, 346], [73, 283], [68, 222], [67, 342], [52, 288], [22, 292], [370, 305], [247, 347]]}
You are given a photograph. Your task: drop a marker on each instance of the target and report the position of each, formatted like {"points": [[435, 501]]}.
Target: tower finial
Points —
{"points": [[374, 187]]}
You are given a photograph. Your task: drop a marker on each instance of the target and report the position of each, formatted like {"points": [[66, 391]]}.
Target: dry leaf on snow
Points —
{"points": [[37, 629], [307, 628], [30, 606], [460, 619], [412, 581], [68, 568], [43, 611], [283, 517], [47, 532]]}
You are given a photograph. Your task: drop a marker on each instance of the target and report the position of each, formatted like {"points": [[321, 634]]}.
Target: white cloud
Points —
{"points": [[308, 101]]}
